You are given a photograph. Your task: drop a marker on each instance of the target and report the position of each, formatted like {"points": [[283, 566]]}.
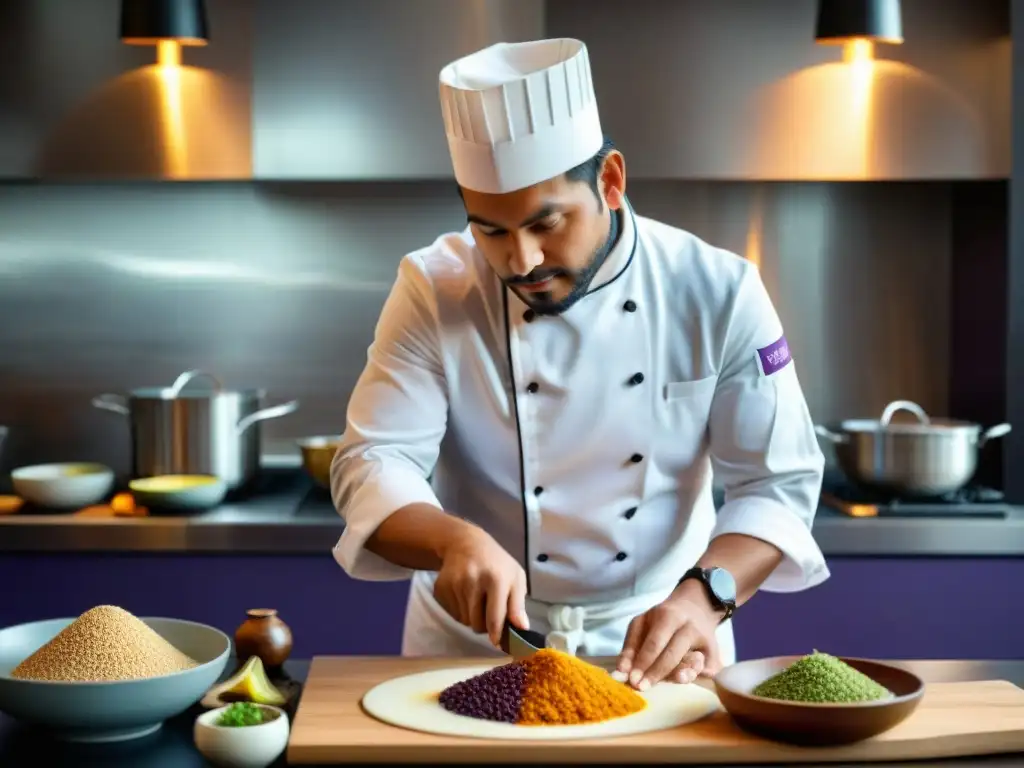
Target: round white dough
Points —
{"points": [[411, 702]]}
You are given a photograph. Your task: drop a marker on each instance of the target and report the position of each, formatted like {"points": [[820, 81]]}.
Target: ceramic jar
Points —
{"points": [[265, 635]]}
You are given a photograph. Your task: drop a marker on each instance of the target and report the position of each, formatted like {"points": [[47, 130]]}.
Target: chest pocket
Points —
{"points": [[683, 409]]}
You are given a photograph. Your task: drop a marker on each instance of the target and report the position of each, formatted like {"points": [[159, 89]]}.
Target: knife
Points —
{"points": [[521, 643]]}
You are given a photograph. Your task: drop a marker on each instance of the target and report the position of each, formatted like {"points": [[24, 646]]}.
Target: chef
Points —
{"points": [[550, 393]]}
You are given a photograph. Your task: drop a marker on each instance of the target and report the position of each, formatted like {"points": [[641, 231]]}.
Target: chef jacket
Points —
{"points": [[586, 442]]}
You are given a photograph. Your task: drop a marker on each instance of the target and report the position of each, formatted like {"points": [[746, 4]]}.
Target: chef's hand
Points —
{"points": [[479, 584], [674, 641]]}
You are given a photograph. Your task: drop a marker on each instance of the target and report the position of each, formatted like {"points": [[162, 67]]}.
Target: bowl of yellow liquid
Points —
{"points": [[178, 492]]}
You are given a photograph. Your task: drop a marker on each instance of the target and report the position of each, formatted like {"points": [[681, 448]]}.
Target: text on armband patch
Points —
{"points": [[774, 357]]}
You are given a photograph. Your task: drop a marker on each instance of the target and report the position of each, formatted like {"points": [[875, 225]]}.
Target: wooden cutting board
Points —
{"points": [[953, 720]]}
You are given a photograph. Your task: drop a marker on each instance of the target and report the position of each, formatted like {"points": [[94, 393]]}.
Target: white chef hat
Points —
{"points": [[516, 114]]}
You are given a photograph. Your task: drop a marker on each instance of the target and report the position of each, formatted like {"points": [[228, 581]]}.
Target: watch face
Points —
{"points": [[722, 584]]}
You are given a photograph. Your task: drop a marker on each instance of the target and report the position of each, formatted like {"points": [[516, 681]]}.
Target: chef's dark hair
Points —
{"points": [[589, 171]]}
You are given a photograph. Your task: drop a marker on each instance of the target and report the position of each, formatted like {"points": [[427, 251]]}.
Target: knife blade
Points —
{"points": [[521, 643]]}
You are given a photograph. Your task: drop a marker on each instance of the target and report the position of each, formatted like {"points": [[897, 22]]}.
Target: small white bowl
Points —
{"points": [[63, 486], [248, 746]]}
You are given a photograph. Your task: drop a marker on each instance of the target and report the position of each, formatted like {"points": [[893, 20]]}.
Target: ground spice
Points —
{"points": [[563, 690], [549, 688], [822, 679], [104, 643]]}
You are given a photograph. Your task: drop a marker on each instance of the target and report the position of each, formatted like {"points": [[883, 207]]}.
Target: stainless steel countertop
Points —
{"points": [[292, 517]]}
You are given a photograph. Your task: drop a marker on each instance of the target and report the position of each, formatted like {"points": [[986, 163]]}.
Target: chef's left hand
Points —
{"points": [[674, 640]]}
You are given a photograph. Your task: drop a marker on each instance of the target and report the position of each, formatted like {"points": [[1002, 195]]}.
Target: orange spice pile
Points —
{"points": [[562, 690]]}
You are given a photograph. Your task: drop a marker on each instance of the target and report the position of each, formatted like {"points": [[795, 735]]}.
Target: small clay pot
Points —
{"points": [[263, 634]]}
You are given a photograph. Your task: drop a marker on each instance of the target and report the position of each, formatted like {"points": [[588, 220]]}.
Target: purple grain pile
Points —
{"points": [[494, 695]]}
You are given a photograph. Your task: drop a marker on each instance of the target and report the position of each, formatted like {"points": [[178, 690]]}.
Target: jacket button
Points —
{"points": [[529, 315], [630, 512], [542, 558], [538, 490], [636, 378], [629, 306], [636, 458], [532, 387], [621, 556]]}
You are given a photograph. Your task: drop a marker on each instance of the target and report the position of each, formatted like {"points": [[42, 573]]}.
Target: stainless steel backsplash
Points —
{"points": [[112, 286]]}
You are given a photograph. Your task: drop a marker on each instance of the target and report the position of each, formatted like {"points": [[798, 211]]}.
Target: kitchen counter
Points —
{"points": [[288, 515], [172, 746]]}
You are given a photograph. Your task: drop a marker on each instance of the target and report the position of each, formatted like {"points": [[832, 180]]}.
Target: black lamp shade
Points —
{"points": [[147, 22], [840, 21]]}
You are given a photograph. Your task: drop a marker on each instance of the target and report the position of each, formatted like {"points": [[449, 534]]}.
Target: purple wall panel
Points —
{"points": [[892, 608]]}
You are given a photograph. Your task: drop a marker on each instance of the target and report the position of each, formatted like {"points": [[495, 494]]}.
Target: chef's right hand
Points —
{"points": [[479, 584]]}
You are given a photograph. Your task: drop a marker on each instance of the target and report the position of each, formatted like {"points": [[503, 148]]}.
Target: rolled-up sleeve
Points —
{"points": [[763, 447], [397, 416]]}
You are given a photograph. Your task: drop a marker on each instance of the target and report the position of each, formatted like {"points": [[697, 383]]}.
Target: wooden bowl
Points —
{"points": [[816, 725]]}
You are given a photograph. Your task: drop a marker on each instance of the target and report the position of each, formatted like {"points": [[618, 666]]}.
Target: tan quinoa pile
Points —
{"points": [[104, 643]]}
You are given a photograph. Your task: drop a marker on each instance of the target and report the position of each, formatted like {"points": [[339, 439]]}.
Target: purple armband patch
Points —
{"points": [[774, 357]]}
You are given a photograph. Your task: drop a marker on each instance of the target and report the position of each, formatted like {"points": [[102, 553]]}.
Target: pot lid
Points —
{"points": [[923, 426], [203, 391], [932, 427]]}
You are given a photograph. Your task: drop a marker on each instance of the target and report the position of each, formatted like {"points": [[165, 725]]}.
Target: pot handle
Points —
{"points": [[183, 379], [993, 433], [275, 411], [829, 435], [113, 403], [903, 405]]}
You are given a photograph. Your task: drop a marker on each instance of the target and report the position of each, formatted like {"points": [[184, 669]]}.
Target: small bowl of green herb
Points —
{"points": [[818, 699], [242, 735]]}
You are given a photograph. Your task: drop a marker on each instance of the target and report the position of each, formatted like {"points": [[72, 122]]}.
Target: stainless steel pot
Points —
{"points": [[209, 431], [929, 457]]}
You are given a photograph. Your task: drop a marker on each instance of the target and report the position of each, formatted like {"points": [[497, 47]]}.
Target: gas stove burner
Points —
{"points": [[855, 501]]}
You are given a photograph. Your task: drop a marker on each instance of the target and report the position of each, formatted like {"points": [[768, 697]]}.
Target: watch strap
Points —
{"points": [[703, 575]]}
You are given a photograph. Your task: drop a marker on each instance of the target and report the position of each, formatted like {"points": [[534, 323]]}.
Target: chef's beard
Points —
{"points": [[542, 302]]}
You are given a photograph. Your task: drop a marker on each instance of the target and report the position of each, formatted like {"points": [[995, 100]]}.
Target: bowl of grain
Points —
{"points": [[107, 675], [818, 700]]}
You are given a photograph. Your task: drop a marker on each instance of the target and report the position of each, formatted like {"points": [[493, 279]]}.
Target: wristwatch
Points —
{"points": [[720, 586]]}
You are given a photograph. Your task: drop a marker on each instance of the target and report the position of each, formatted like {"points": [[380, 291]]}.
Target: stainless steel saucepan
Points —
{"points": [[208, 431], [929, 457]]}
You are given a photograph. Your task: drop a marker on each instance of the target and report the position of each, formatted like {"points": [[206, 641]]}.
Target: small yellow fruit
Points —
{"points": [[250, 682]]}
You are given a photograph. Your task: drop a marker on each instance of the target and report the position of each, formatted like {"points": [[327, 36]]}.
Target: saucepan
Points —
{"points": [[926, 457], [197, 431]]}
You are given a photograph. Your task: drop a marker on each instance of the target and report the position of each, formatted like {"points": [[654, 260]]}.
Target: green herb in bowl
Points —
{"points": [[243, 713], [822, 679]]}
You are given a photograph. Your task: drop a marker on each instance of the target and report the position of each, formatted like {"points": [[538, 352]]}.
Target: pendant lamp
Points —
{"points": [[840, 21], [148, 22]]}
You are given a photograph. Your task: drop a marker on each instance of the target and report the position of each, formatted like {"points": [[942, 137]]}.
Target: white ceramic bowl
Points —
{"points": [[249, 746], [178, 492], [63, 486]]}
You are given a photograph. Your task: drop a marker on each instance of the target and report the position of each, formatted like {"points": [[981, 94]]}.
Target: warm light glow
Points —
{"points": [[168, 53], [844, 41], [192, 42], [859, 50], [755, 231], [834, 121], [173, 117], [859, 56]]}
